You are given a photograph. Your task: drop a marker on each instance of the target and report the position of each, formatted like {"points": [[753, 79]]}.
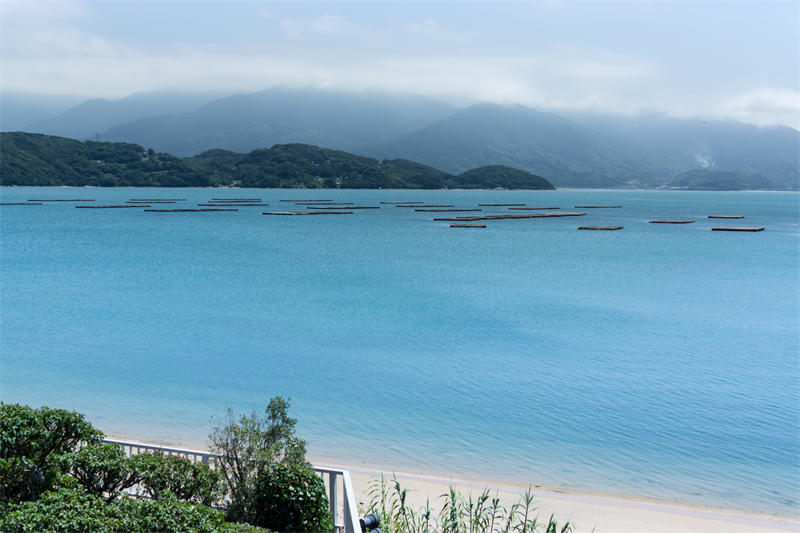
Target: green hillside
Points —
{"points": [[34, 159], [719, 180]]}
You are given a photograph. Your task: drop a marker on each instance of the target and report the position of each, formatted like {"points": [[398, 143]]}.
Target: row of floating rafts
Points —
{"points": [[329, 207]]}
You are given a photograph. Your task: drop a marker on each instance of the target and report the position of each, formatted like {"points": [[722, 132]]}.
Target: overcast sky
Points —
{"points": [[708, 59]]}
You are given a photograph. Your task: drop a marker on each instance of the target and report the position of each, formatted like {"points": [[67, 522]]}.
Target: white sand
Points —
{"points": [[601, 514]]}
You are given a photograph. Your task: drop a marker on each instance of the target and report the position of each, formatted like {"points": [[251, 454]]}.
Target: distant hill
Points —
{"points": [[333, 119], [719, 180], [18, 111], [35, 159], [87, 119], [542, 143]]}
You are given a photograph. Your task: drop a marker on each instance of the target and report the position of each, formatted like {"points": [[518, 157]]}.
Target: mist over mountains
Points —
{"points": [[570, 149]]}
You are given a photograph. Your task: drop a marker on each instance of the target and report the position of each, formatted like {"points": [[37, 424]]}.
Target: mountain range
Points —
{"points": [[571, 149]]}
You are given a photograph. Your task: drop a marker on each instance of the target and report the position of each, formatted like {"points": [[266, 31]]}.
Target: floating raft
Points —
{"points": [[157, 200], [323, 203], [672, 221], [498, 205], [20, 203], [725, 216], [467, 225], [305, 200], [736, 228], [184, 210], [309, 213], [229, 204], [108, 206], [427, 205], [531, 208], [150, 202], [503, 217], [348, 207], [236, 199], [597, 206], [605, 228], [401, 203], [444, 210], [70, 200]]}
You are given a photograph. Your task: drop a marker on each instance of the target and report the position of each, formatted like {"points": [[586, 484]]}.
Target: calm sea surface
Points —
{"points": [[657, 361]]}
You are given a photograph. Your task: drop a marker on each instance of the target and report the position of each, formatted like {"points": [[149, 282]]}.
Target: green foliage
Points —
{"points": [[458, 514], [718, 180], [161, 474], [248, 446], [32, 159], [33, 446], [291, 497], [73, 509], [103, 470], [498, 177]]}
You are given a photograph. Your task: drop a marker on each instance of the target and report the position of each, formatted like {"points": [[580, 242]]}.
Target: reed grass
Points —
{"points": [[459, 513]]}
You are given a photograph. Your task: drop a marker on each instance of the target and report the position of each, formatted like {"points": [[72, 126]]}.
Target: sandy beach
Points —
{"points": [[589, 512]]}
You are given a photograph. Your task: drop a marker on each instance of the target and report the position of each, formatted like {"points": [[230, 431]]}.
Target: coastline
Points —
{"points": [[591, 511]]}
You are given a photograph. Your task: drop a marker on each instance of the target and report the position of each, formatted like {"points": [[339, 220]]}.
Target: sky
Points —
{"points": [[738, 60]]}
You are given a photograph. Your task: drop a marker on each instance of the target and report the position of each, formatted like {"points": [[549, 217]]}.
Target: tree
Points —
{"points": [[248, 446]]}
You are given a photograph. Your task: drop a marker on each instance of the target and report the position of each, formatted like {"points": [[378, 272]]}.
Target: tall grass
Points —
{"points": [[459, 513]]}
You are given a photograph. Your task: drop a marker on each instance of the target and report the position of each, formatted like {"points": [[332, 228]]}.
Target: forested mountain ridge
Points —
{"points": [[35, 159]]}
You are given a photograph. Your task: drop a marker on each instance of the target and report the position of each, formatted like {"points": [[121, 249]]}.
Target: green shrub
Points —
{"points": [[248, 446], [160, 474], [291, 498], [33, 443], [73, 510], [103, 470]]}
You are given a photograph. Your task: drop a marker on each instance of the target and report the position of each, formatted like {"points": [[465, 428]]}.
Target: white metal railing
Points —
{"points": [[337, 481]]}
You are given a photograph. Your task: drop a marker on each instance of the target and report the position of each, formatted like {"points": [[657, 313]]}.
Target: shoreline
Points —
{"points": [[591, 510]]}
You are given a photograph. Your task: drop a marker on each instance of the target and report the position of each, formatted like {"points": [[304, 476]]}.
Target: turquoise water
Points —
{"points": [[655, 361]]}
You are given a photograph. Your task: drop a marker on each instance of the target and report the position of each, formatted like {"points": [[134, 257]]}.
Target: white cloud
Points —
{"points": [[762, 106], [328, 24]]}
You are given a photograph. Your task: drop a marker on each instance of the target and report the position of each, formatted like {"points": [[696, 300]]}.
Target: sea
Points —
{"points": [[657, 361]]}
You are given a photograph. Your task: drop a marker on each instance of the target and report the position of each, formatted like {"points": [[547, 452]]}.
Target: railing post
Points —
{"points": [[350, 511], [333, 490]]}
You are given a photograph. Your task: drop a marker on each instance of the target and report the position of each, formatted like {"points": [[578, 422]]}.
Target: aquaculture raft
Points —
{"points": [[498, 205], [109, 206], [603, 228], [20, 203], [725, 216], [444, 210], [736, 228], [309, 213], [185, 210], [672, 221], [467, 225], [597, 206]]}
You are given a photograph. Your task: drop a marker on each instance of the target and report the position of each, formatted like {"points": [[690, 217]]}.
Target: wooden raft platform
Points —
{"points": [[151, 202], [305, 200], [401, 203], [236, 199], [427, 205], [725, 216], [598, 206], [498, 205], [185, 210], [236, 204], [672, 221], [467, 225], [737, 228], [70, 200], [157, 199], [445, 210], [348, 207], [109, 206], [20, 203], [323, 203], [504, 217], [531, 208], [602, 228], [292, 213]]}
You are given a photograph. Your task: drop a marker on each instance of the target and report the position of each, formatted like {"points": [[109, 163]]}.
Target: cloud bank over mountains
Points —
{"points": [[710, 61]]}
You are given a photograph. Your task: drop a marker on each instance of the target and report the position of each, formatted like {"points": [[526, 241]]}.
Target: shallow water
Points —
{"points": [[654, 361]]}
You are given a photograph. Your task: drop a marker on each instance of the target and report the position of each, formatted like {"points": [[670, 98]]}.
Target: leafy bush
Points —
{"points": [[160, 474], [103, 470], [33, 445], [248, 446], [458, 514], [75, 510], [291, 498]]}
